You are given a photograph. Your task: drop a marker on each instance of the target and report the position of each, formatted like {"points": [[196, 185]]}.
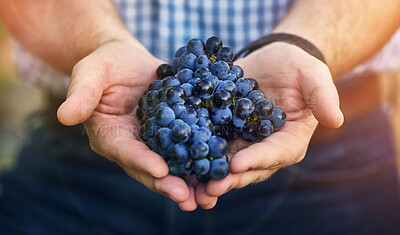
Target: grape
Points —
{"points": [[255, 96], [189, 116], [151, 98], [164, 70], [202, 134], [188, 89], [201, 101], [196, 46], [221, 116], [173, 167], [213, 45], [202, 62], [278, 118], [178, 152], [265, 128], [228, 86], [264, 108], [164, 116], [244, 87], [163, 137], [218, 146], [174, 95], [155, 85], [202, 113], [219, 169], [180, 132], [170, 81], [237, 70], [201, 166], [202, 73], [250, 133], [199, 150], [178, 108], [187, 60], [220, 69], [204, 121], [203, 89], [184, 75], [194, 102], [226, 54], [222, 99], [180, 51], [244, 108]]}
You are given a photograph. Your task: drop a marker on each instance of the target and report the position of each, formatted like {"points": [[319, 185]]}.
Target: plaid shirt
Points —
{"points": [[165, 25]]}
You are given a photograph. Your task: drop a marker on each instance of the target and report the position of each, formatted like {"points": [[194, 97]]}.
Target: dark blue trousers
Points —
{"points": [[349, 186]]}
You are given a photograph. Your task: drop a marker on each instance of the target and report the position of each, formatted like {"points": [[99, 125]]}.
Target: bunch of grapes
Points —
{"points": [[201, 101]]}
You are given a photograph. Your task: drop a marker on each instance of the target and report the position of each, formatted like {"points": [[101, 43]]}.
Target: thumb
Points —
{"points": [[321, 96], [84, 93]]}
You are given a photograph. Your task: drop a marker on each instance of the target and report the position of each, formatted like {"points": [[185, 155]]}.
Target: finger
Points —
{"points": [[189, 204], [282, 148], [321, 96], [84, 93], [118, 144], [169, 186], [216, 188], [203, 199]]}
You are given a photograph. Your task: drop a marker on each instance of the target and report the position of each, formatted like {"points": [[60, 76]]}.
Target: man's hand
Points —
{"points": [[300, 85], [104, 92]]}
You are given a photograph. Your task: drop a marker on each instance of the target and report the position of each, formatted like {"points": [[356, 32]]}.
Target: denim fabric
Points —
{"points": [[349, 186]]}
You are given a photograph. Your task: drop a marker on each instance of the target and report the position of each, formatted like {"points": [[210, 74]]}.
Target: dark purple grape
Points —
{"points": [[278, 119], [265, 128], [220, 69], [250, 133], [213, 45], [202, 62], [203, 89], [199, 150], [255, 96], [180, 51], [194, 102], [222, 99], [187, 60], [221, 116], [264, 108], [237, 70], [201, 166], [174, 95], [243, 87], [196, 46], [151, 99], [228, 86], [244, 108], [170, 81], [163, 137], [219, 169], [178, 152], [184, 75], [164, 70], [164, 116], [226, 54], [218, 146]]}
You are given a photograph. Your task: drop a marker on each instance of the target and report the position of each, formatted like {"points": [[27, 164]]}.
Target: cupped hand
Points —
{"points": [[299, 84], [103, 94]]}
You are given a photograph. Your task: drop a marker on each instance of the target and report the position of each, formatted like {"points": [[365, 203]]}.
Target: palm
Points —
{"points": [[105, 89], [302, 87]]}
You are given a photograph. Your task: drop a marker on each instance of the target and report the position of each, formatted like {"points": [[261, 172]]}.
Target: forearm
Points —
{"points": [[346, 32], [64, 31]]}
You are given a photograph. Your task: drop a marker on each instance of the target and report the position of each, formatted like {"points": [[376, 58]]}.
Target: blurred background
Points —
{"points": [[17, 101]]}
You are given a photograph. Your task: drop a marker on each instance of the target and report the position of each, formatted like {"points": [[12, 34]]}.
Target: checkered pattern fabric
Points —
{"points": [[165, 25]]}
